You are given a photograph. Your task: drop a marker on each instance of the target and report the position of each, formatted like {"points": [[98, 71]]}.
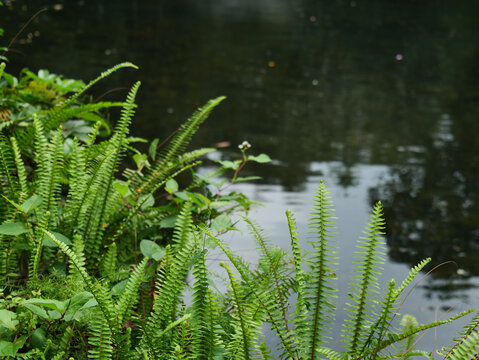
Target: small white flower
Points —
{"points": [[244, 145]]}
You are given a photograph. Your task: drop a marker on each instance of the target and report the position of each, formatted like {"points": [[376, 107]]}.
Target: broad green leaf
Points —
{"points": [[50, 243], [77, 303], [11, 80], [48, 303], [15, 228], [152, 149], [32, 203], [261, 158], [183, 195], [221, 223], [208, 180], [146, 201], [45, 314], [8, 348], [7, 319], [229, 164], [140, 160], [118, 289], [200, 200], [171, 186], [168, 222], [152, 250], [121, 187], [39, 338]]}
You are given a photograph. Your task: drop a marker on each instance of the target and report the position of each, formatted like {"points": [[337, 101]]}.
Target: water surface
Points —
{"points": [[378, 98]]}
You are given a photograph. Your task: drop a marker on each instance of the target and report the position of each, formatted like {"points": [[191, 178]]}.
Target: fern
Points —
{"points": [[464, 336], [259, 294], [203, 342], [94, 225], [128, 298], [301, 319], [242, 345], [20, 166], [37, 253], [319, 293], [410, 332], [109, 263], [51, 155], [467, 349], [102, 76], [101, 336], [365, 282], [170, 284], [8, 182], [178, 144], [57, 116], [103, 301]]}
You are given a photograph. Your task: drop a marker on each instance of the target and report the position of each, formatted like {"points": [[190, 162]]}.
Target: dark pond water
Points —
{"points": [[378, 98]]}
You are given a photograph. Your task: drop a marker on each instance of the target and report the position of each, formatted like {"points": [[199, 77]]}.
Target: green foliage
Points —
{"points": [[370, 330], [96, 258]]}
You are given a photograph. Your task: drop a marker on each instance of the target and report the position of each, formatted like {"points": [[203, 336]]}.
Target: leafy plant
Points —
{"points": [[368, 332], [74, 222], [59, 190]]}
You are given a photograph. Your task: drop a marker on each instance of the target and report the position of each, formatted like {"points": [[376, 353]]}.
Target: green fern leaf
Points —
{"points": [[320, 289], [178, 144], [365, 286]]}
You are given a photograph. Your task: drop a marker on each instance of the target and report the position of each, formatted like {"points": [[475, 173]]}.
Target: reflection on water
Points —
{"points": [[352, 84]]}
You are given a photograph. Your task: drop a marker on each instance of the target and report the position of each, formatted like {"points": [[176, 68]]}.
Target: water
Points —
{"points": [[380, 99]]}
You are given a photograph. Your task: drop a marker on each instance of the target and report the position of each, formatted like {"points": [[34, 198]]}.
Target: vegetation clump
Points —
{"points": [[94, 255]]}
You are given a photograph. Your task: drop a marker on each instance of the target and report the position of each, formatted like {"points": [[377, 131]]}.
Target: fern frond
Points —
{"points": [[22, 177], [65, 340], [109, 262], [320, 289], [100, 338], [103, 301], [173, 325], [245, 335], [264, 248], [385, 317], [412, 275], [408, 323], [58, 116], [365, 283], [467, 331], [103, 75], [79, 251], [8, 181], [395, 338], [178, 143], [134, 211], [170, 283], [264, 301], [301, 320], [124, 306], [330, 354], [50, 162], [203, 342], [59, 356], [37, 252], [93, 229], [468, 349]]}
